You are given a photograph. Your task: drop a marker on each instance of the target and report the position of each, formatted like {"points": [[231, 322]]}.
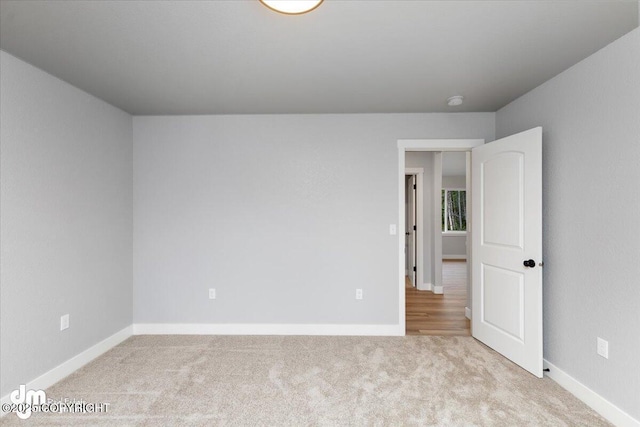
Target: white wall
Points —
{"points": [[285, 215], [66, 221], [590, 115]]}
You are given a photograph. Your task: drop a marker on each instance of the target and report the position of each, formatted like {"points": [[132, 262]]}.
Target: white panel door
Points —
{"points": [[507, 247]]}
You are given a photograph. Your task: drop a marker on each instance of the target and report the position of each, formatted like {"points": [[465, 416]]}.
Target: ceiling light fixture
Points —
{"points": [[455, 100], [292, 7]]}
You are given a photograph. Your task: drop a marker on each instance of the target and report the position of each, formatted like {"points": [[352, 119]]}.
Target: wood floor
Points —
{"points": [[431, 314]]}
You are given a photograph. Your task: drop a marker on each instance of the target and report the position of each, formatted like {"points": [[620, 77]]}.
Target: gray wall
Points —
{"points": [[454, 246], [66, 221], [457, 182], [590, 115], [285, 215]]}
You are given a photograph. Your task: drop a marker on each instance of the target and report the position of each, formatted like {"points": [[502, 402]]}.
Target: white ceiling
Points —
{"points": [[347, 56]]}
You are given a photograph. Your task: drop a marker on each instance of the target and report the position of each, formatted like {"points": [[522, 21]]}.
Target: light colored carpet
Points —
{"points": [[328, 381]]}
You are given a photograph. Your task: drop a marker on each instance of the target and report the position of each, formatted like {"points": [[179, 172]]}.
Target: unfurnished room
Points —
{"points": [[320, 213]]}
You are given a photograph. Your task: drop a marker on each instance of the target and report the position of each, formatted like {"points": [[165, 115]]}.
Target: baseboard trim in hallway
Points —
{"points": [[443, 311]]}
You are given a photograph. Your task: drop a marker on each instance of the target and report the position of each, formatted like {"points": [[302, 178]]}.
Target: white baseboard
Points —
{"points": [[454, 257], [438, 289], [599, 404], [425, 287], [605, 408], [64, 369], [467, 313], [265, 329]]}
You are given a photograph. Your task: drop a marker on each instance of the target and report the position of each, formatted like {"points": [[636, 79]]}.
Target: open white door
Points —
{"points": [[507, 247]]}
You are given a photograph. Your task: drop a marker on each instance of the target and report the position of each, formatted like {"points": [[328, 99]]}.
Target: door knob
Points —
{"points": [[529, 263]]}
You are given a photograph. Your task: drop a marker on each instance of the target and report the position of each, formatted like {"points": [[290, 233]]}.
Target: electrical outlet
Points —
{"points": [[64, 322], [212, 293], [603, 348], [358, 293]]}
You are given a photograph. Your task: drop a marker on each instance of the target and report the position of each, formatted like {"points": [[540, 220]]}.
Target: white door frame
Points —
{"points": [[405, 145], [419, 254], [436, 223]]}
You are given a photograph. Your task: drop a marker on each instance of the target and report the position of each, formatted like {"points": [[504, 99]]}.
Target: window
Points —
{"points": [[454, 210]]}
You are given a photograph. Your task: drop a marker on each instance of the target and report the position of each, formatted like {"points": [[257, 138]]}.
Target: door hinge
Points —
{"points": [[414, 228], [414, 268], [414, 186]]}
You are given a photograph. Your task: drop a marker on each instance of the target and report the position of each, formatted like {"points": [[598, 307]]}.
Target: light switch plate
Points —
{"points": [[603, 348], [64, 322]]}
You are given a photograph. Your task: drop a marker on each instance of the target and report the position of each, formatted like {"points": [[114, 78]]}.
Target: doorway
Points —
{"points": [[414, 223], [432, 223], [506, 292], [438, 304], [411, 246]]}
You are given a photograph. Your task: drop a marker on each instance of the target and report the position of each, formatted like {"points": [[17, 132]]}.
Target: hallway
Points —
{"points": [[431, 314]]}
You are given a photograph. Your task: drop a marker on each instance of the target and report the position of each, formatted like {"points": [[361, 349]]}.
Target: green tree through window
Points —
{"points": [[454, 210]]}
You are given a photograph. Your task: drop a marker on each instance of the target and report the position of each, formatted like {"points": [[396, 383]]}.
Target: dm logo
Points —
{"points": [[25, 400]]}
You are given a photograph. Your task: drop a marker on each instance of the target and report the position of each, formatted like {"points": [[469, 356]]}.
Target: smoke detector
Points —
{"points": [[455, 100]]}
